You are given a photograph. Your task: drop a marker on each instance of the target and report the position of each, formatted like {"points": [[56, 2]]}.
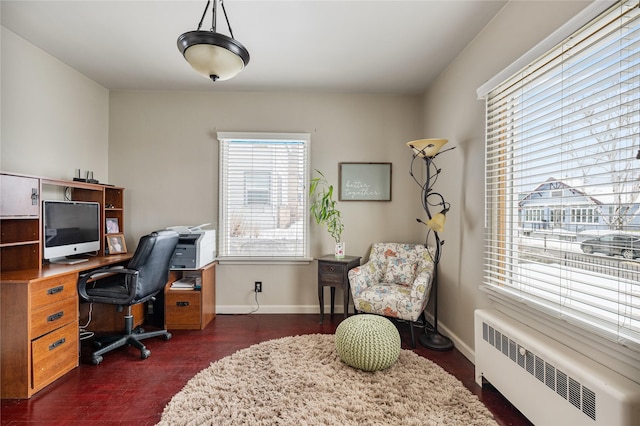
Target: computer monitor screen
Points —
{"points": [[71, 228]]}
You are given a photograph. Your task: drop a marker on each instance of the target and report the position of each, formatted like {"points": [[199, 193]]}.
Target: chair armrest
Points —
{"points": [[364, 276], [421, 287], [95, 276]]}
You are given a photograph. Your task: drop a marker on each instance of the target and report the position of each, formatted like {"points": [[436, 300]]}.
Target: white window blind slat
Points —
{"points": [[562, 178]]}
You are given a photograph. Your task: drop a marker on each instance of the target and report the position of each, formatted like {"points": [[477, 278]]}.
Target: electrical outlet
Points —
{"points": [[258, 287]]}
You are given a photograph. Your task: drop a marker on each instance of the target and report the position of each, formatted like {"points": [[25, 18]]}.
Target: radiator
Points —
{"points": [[548, 382]]}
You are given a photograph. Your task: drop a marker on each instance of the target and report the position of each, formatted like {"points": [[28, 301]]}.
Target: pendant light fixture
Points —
{"points": [[214, 55]]}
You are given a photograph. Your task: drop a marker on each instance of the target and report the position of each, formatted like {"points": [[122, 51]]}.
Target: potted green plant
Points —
{"points": [[324, 211]]}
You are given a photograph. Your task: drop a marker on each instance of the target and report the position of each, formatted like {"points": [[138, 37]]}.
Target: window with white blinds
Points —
{"points": [[563, 180], [263, 203]]}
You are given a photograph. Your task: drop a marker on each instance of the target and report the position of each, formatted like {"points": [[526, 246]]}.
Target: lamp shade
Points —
{"points": [[214, 55], [426, 147], [436, 223]]}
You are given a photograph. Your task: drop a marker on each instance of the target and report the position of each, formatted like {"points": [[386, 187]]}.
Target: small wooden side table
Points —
{"points": [[191, 309], [333, 272]]}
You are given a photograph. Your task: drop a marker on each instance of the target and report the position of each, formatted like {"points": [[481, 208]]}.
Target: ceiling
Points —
{"points": [[354, 46]]}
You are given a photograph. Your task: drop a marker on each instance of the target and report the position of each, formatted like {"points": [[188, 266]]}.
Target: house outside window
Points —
{"points": [[263, 213], [563, 133]]}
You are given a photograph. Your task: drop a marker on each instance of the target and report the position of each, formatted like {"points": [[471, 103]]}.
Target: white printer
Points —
{"points": [[196, 247]]}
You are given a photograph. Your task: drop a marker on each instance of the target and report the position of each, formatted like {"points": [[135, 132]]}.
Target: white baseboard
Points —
{"points": [[459, 344]]}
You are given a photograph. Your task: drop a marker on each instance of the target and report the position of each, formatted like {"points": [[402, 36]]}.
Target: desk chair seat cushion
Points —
{"points": [[114, 290], [110, 288]]}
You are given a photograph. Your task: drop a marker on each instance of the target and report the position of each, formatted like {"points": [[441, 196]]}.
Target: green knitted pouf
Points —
{"points": [[368, 342]]}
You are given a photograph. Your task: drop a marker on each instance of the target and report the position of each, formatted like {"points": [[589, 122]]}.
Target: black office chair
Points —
{"points": [[143, 278]]}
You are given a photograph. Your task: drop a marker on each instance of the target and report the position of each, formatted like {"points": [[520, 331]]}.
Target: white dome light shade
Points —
{"points": [[212, 54]]}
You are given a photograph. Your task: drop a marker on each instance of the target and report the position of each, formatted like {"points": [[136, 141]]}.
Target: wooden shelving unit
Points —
{"points": [[110, 198], [19, 222], [39, 302], [21, 212], [114, 206]]}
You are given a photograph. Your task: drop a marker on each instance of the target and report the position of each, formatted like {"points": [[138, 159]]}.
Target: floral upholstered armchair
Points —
{"points": [[395, 282]]}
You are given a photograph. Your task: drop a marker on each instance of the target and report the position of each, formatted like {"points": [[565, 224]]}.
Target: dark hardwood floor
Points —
{"points": [[127, 390]]}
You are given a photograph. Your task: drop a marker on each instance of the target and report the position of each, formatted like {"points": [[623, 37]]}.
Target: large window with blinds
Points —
{"points": [[263, 203], [563, 180]]}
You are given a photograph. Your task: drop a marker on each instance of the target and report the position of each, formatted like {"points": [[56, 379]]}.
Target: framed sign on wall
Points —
{"points": [[364, 182]]}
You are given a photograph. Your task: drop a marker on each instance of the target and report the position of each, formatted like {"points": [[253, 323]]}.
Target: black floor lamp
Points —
{"points": [[428, 150]]}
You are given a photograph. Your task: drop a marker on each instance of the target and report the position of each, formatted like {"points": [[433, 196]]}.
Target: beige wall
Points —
{"points": [[54, 119], [452, 110], [161, 146], [163, 149]]}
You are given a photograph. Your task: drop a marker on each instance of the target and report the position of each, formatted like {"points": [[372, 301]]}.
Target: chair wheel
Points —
{"points": [[97, 344], [145, 353], [96, 360], [166, 336]]}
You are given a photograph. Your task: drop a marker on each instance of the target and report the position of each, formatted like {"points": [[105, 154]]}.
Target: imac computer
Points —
{"points": [[71, 228]]}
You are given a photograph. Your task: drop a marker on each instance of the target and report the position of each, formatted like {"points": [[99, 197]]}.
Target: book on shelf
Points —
{"points": [[186, 283]]}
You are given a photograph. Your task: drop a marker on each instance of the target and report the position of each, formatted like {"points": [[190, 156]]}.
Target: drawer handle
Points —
{"points": [[182, 303], [330, 268], [55, 317], [55, 290], [57, 343]]}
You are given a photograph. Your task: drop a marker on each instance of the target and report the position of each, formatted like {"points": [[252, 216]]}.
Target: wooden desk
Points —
{"points": [[39, 324], [332, 272]]}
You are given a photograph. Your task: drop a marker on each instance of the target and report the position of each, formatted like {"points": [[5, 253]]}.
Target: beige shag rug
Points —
{"points": [[301, 380]]}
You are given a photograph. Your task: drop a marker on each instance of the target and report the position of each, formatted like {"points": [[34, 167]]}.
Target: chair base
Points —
{"points": [[131, 338], [413, 335], [436, 341]]}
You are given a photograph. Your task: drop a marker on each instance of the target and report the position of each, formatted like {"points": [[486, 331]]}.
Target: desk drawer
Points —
{"points": [[53, 316], [53, 290], [54, 354], [182, 308]]}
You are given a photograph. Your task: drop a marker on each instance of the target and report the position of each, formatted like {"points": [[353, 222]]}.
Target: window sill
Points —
{"points": [[263, 261]]}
